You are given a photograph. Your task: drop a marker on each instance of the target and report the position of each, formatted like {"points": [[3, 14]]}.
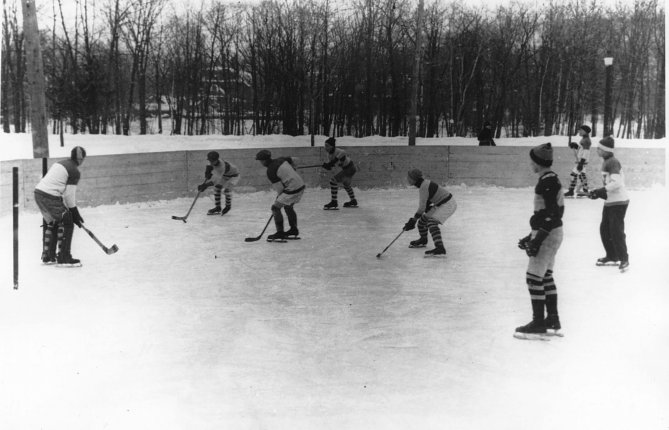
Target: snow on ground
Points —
{"points": [[19, 145], [189, 327]]}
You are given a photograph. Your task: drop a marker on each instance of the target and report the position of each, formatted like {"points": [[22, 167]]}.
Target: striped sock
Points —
{"points": [[433, 226], [228, 197], [422, 228], [349, 190], [217, 195], [537, 295], [551, 293], [334, 188], [584, 181]]}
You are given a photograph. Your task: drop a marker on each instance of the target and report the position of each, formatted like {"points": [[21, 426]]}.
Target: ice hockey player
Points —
{"points": [[223, 176], [56, 197], [289, 186], [582, 149], [541, 246], [435, 206], [345, 176], [616, 201]]}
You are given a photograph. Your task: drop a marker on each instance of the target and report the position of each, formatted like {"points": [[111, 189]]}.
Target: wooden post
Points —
{"points": [[15, 217], [413, 109], [35, 76]]}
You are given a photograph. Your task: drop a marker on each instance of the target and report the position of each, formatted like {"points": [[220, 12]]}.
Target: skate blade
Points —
{"points": [[435, 256], [277, 240], [68, 266], [417, 246], [552, 332], [606, 264], [293, 238], [49, 263], [351, 207], [330, 209], [531, 336]]}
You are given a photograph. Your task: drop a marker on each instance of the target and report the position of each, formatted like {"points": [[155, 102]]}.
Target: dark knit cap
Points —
{"points": [[607, 144], [586, 129], [542, 154], [78, 154], [213, 156], [415, 174], [264, 155], [331, 141]]}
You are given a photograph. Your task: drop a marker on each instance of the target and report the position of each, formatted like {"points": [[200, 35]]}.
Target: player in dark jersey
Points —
{"points": [[541, 246], [289, 187], [56, 197]]}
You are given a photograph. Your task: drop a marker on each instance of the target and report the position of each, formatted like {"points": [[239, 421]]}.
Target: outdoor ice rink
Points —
{"points": [[189, 327]]}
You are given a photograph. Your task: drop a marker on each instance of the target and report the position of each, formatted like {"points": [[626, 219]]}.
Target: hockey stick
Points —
{"points": [[108, 251], [254, 239], [309, 167], [384, 250], [183, 218]]}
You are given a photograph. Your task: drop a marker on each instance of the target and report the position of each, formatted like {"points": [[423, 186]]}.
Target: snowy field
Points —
{"points": [[189, 327]]}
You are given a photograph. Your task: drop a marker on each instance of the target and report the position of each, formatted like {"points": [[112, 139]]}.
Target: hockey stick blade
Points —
{"points": [[255, 239], [110, 251], [107, 251], [252, 239], [180, 218]]}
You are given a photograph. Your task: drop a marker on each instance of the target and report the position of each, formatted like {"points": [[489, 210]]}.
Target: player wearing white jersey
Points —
{"points": [[56, 197], [345, 176], [223, 176], [435, 206]]}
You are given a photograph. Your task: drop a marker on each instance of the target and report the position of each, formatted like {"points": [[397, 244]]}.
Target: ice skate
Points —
{"points": [[48, 259], [624, 266], [67, 261], [352, 204], [439, 251], [332, 206], [418, 243], [279, 236], [292, 234], [225, 210], [553, 327], [606, 261], [569, 194], [214, 211], [534, 330]]}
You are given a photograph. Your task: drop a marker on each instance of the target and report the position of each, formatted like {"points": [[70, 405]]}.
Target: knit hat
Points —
{"points": [[78, 154], [607, 144], [415, 174], [213, 156], [264, 155], [586, 129], [542, 154], [331, 141]]}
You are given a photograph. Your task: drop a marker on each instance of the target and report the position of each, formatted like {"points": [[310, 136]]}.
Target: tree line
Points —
{"points": [[348, 67]]}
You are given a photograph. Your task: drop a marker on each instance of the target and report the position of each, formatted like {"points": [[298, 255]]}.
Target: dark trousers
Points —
{"points": [[612, 232]]}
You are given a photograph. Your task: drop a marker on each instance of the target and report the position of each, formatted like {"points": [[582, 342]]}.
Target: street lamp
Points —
{"points": [[608, 114]]}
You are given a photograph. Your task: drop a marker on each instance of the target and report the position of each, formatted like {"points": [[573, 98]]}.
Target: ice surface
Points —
{"points": [[189, 327]]}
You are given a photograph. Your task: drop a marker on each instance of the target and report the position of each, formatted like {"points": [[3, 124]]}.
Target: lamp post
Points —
{"points": [[608, 109]]}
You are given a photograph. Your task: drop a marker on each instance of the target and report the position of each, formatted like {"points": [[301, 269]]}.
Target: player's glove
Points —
{"points": [[327, 166], [410, 225], [599, 193], [533, 245], [204, 186], [580, 164], [573, 145], [522, 243], [76, 216], [207, 172]]}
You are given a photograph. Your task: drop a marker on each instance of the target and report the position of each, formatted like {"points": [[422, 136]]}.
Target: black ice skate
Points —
{"points": [[48, 259], [418, 243], [292, 234], [534, 330], [553, 327], [279, 236], [352, 204], [67, 261], [569, 194], [214, 211], [624, 266], [439, 251], [225, 210], [332, 206], [606, 261]]}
